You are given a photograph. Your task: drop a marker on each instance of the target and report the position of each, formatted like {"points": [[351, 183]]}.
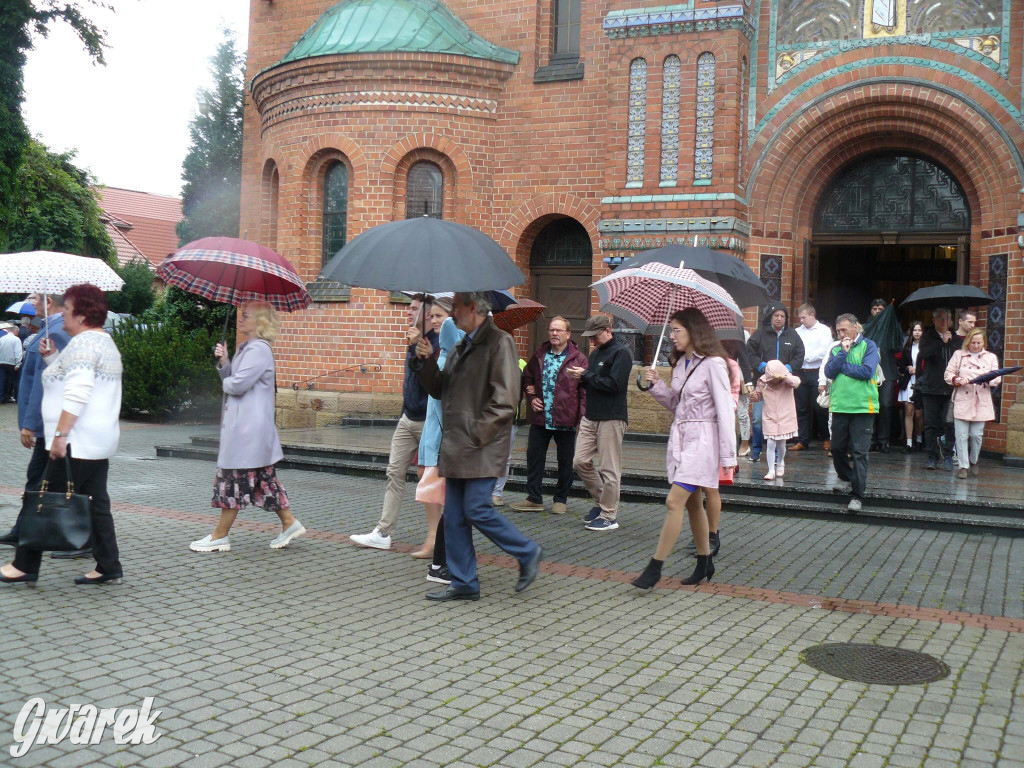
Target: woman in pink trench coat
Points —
{"points": [[702, 439], [972, 403]]}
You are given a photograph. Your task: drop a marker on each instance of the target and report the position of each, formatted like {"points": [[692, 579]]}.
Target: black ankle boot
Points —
{"points": [[716, 543], [705, 570], [650, 576]]}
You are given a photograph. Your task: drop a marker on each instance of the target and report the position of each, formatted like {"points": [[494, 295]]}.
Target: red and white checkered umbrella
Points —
{"points": [[235, 271], [646, 296]]}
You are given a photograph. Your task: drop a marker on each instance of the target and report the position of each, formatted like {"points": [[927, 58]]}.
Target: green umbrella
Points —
{"points": [[884, 329]]}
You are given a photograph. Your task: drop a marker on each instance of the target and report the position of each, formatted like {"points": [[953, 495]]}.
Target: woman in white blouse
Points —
{"points": [[81, 405]]}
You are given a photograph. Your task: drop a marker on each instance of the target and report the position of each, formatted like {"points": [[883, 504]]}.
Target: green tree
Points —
{"points": [[195, 314], [54, 208], [137, 296], [212, 170], [18, 20]]}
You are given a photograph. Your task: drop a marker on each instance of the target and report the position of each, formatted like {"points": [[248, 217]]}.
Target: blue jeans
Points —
{"points": [[757, 434], [467, 505]]}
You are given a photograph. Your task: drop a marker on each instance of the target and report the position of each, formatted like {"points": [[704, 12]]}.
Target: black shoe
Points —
{"points": [[528, 570], [453, 593], [705, 570], [592, 515], [439, 574], [908, 449], [27, 578], [10, 538], [103, 578], [650, 577], [716, 543], [930, 464], [883, 448], [77, 554]]}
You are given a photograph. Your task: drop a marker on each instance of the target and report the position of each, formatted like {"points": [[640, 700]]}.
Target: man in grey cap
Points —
{"points": [[602, 428]]}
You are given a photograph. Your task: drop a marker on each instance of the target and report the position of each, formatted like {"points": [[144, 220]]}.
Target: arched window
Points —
{"points": [[637, 135], [335, 224], [271, 198], [566, 38], [424, 193], [704, 144], [671, 80]]}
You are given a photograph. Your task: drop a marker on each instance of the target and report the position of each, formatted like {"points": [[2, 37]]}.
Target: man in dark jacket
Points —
{"points": [[937, 346], [774, 340], [556, 403], [405, 442], [604, 425], [479, 393]]}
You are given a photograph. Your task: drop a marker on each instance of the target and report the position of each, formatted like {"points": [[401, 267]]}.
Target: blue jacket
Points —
{"points": [[430, 441], [30, 390]]}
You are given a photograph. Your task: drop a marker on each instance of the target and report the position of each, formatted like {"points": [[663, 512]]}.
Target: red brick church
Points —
{"points": [[846, 149]]}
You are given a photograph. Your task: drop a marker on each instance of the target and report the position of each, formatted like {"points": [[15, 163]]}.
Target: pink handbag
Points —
{"points": [[430, 488], [725, 476]]}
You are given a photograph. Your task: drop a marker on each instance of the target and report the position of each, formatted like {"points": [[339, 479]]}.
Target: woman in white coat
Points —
{"points": [[249, 446]]}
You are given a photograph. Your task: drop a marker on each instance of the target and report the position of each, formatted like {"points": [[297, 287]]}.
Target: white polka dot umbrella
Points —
{"points": [[51, 272]]}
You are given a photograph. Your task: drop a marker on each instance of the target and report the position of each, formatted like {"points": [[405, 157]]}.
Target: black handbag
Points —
{"points": [[55, 521]]}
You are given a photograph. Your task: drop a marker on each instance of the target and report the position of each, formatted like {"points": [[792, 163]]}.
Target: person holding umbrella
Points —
{"points": [[249, 445], [479, 392], [972, 402], [702, 440], [938, 345]]}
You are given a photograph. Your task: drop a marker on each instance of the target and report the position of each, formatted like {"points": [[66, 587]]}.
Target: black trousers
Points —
{"points": [[440, 553], [811, 418], [7, 379], [935, 424], [90, 477], [883, 422], [34, 473], [536, 455], [851, 434]]}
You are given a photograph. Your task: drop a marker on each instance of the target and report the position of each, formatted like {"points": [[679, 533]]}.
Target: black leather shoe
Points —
{"points": [[528, 570], [453, 593], [77, 554], [9, 538], [103, 578], [883, 448], [25, 577]]}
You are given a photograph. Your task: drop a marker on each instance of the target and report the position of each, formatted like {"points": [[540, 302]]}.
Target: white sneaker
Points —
{"points": [[780, 469], [854, 505], [374, 539], [209, 544], [285, 537], [770, 475]]}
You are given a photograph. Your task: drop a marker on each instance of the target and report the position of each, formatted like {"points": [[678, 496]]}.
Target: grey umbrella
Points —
{"points": [[424, 255], [949, 295]]}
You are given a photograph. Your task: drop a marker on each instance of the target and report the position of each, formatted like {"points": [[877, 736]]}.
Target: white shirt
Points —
{"points": [[85, 380], [817, 342], [10, 349]]}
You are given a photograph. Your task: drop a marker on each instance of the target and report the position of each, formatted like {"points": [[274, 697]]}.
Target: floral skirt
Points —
{"points": [[236, 488]]}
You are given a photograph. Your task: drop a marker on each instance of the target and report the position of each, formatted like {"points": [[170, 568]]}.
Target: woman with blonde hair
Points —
{"points": [[249, 445], [972, 403]]}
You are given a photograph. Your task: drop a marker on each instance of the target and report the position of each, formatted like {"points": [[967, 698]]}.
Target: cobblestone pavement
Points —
{"points": [[326, 654]]}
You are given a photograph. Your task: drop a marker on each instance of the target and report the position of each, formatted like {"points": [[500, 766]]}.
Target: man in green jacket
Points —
{"points": [[854, 403]]}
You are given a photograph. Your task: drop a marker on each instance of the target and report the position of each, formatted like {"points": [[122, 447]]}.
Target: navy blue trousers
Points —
{"points": [[467, 505]]}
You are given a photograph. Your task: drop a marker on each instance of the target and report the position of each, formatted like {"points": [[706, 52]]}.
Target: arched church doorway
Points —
{"points": [[885, 226], [561, 265]]}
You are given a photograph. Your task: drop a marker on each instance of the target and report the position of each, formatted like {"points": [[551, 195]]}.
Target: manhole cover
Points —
{"points": [[874, 664]]}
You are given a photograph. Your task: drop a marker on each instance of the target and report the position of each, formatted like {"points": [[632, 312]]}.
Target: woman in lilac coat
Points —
{"points": [[702, 440]]}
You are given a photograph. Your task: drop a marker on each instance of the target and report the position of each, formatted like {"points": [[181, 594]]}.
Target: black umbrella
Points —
{"points": [[728, 271], [424, 255], [949, 295]]}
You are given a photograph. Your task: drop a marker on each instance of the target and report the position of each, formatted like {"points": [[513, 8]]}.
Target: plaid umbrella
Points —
{"points": [[235, 271], [524, 312]]}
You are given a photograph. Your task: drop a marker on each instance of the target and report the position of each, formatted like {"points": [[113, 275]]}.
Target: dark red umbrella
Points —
{"points": [[523, 312], [234, 271]]}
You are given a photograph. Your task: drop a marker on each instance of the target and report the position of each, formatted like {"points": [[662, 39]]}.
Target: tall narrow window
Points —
{"points": [[566, 28], [424, 194], [335, 209], [637, 136], [671, 78], [705, 138], [743, 121], [273, 202]]}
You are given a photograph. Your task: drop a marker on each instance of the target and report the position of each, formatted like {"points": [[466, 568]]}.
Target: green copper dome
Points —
{"points": [[377, 26]]}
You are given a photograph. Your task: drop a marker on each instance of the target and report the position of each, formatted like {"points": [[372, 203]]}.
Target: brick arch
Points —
{"points": [[796, 163], [451, 206], [528, 220], [317, 145], [308, 195], [439, 149], [269, 202]]}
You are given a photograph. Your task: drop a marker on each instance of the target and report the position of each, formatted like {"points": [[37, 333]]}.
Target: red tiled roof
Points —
{"points": [[152, 218], [126, 250]]}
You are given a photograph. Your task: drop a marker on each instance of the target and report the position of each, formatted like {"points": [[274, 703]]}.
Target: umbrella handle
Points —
{"points": [[640, 384]]}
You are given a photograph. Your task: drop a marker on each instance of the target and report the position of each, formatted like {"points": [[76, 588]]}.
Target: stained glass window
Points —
{"points": [[424, 194], [671, 78], [335, 210], [637, 122], [704, 141], [803, 21], [950, 15]]}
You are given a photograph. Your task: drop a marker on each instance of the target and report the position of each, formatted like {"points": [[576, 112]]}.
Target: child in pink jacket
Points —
{"points": [[777, 387]]}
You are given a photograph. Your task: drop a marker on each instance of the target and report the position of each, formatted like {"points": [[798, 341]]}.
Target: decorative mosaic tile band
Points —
{"points": [[726, 224], [685, 197], [995, 320], [674, 20], [333, 102], [771, 274], [634, 244]]}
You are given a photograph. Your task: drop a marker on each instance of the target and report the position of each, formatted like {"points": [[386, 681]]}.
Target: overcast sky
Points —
{"points": [[129, 120]]}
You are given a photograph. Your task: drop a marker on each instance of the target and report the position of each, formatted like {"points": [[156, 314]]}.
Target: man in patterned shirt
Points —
{"points": [[556, 403]]}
